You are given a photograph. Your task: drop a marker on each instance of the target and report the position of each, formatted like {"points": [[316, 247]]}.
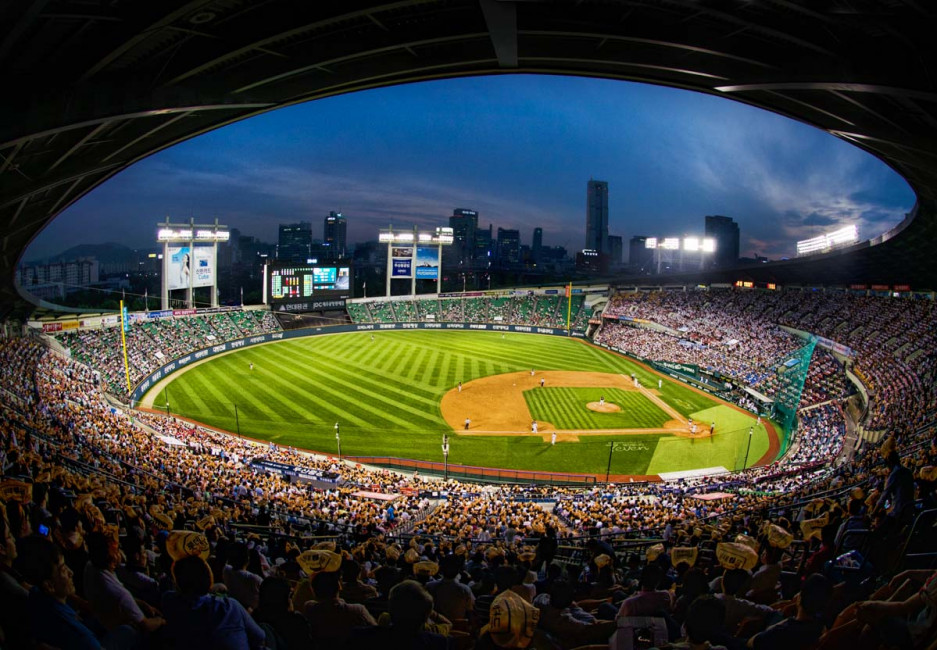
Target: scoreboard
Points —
{"points": [[310, 287]]}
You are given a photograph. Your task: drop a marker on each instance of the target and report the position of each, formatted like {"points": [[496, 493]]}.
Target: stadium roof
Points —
{"points": [[91, 87]]}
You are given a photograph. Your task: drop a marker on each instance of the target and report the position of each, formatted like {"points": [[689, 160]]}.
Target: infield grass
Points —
{"points": [[566, 408], [385, 394]]}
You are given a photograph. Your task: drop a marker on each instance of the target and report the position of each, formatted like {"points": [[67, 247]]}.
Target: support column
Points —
{"points": [[164, 297]]}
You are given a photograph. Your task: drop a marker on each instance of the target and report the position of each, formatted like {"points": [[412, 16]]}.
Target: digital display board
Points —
{"points": [[309, 283]]}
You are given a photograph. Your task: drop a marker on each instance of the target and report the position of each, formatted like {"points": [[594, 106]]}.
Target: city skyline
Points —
{"points": [[517, 149]]}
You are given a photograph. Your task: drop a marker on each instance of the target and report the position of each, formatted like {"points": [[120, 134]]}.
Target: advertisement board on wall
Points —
{"points": [[402, 262], [427, 263], [183, 263]]}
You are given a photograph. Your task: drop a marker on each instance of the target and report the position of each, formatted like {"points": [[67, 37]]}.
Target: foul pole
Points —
{"points": [[123, 342], [569, 304]]}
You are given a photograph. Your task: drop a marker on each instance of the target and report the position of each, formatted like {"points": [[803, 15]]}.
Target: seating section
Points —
{"points": [[153, 343], [805, 551], [542, 311], [739, 331], [92, 477]]}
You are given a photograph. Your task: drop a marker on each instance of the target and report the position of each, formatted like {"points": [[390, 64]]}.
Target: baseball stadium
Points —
{"points": [[723, 458]]}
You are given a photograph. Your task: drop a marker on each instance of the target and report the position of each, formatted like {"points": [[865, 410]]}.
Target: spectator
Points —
{"points": [[196, 619], [331, 618], [649, 601], [409, 606], [452, 599], [242, 585], [284, 628], [111, 602], [805, 628], [51, 620]]}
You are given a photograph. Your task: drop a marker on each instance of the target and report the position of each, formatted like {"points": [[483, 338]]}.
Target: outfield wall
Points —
{"points": [[259, 339]]}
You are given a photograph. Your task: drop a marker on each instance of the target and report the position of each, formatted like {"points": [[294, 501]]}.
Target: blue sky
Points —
{"points": [[519, 150]]}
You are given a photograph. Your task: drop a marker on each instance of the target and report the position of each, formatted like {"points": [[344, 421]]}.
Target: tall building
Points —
{"points": [[536, 247], [614, 250], [597, 216], [726, 233], [640, 257], [464, 224], [483, 241], [294, 242], [509, 245], [334, 235]]}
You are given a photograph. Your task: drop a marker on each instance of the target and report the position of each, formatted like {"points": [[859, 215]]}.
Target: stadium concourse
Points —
{"points": [[127, 529]]}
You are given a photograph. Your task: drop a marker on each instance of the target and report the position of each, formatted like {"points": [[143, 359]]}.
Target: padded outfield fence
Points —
{"points": [[471, 473]]}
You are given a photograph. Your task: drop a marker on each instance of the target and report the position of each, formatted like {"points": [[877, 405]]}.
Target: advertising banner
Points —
{"points": [[183, 263], [204, 268], [427, 263], [402, 262]]}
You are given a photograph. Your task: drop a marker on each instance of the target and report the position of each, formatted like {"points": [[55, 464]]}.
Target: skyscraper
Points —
{"points": [[294, 242], [483, 241], [537, 245], [726, 233], [597, 216], [509, 246], [334, 235], [464, 223], [614, 250]]}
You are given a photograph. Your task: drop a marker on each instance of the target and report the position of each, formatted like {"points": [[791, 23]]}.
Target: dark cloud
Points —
{"points": [[817, 219]]}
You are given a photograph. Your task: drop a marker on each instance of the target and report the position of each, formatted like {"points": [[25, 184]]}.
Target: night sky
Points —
{"points": [[519, 150]]}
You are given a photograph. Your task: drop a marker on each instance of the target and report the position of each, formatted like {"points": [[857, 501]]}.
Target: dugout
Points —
{"points": [[765, 403]]}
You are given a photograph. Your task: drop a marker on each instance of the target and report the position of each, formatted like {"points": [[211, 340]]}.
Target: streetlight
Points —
{"points": [[611, 448], [748, 448], [445, 455], [338, 441]]}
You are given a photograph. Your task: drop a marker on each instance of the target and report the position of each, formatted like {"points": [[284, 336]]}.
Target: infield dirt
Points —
{"points": [[495, 405]]}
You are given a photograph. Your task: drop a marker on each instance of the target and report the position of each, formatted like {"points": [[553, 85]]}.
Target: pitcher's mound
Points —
{"points": [[603, 408]]}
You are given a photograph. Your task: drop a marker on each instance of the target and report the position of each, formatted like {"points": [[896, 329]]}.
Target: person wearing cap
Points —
{"points": [[513, 624], [331, 618]]}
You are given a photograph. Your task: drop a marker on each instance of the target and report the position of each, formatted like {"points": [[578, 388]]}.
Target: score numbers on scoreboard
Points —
{"points": [[292, 283]]}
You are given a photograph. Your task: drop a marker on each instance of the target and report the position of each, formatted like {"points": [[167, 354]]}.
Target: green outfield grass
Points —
{"points": [[385, 394], [566, 408]]}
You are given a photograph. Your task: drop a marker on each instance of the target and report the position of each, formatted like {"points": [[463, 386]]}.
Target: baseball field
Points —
{"points": [[396, 393]]}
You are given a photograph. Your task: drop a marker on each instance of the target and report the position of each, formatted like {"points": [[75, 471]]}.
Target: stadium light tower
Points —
{"points": [[187, 266], [410, 254]]}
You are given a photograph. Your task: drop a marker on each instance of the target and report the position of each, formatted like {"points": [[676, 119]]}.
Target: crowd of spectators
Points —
{"points": [[153, 343], [133, 530], [265, 562], [542, 311], [891, 340]]}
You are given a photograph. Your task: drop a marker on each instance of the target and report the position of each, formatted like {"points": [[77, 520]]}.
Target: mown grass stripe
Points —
{"points": [[401, 403]]}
